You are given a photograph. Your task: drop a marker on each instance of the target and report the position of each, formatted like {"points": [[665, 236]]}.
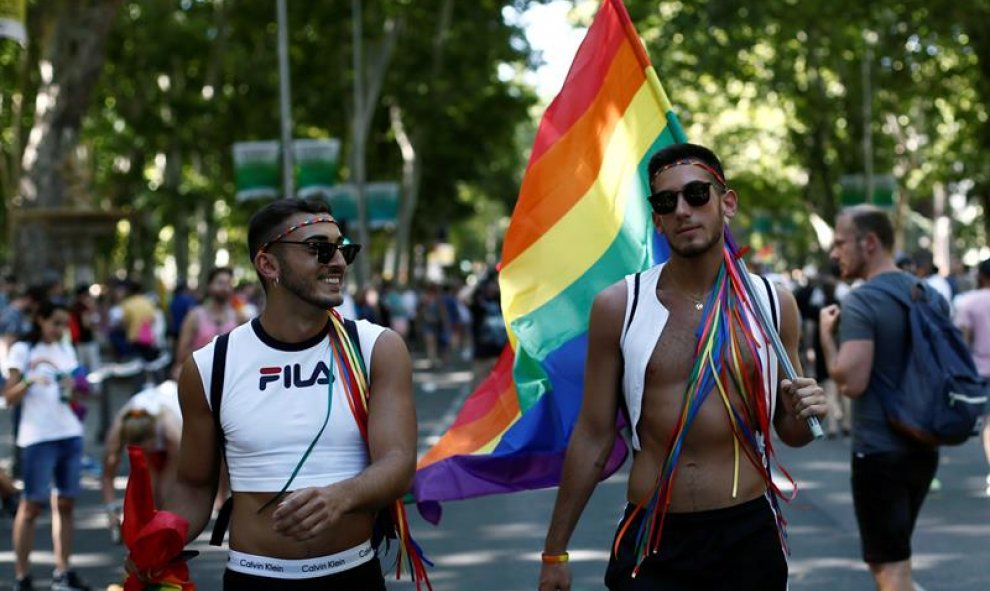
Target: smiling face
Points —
{"points": [[693, 230], [299, 270]]}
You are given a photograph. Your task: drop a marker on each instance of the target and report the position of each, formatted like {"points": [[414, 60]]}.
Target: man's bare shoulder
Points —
{"points": [[611, 301]]}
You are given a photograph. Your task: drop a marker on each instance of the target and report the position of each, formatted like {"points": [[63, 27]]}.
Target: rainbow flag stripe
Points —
{"points": [[581, 223]]}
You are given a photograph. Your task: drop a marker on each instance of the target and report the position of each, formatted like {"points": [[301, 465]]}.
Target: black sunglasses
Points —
{"points": [[324, 251], [696, 194]]}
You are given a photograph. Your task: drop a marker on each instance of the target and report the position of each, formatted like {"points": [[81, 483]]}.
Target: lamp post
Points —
{"points": [[284, 99]]}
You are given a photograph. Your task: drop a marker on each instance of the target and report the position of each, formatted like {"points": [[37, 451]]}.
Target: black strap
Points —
{"points": [[635, 302], [773, 304], [352, 332], [216, 398]]}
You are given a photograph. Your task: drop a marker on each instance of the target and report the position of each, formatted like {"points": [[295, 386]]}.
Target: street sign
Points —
{"points": [[854, 190], [316, 166], [12, 20], [382, 199], [256, 170]]}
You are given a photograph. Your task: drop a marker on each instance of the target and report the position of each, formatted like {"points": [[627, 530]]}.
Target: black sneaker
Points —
{"points": [[69, 581], [24, 584]]}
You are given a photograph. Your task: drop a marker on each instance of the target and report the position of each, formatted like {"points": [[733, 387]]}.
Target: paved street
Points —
{"points": [[493, 544]]}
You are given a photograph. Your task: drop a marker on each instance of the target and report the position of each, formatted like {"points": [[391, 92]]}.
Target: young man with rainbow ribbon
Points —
{"points": [[681, 350], [317, 424]]}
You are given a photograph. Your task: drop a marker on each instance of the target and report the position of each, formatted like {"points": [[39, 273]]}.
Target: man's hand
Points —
{"points": [[829, 319], [308, 512], [555, 577], [807, 397]]}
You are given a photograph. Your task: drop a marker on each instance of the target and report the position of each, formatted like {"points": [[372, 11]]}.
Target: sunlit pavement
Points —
{"points": [[493, 543]]}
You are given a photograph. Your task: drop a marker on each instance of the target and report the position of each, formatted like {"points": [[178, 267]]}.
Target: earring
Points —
{"points": [[276, 280]]}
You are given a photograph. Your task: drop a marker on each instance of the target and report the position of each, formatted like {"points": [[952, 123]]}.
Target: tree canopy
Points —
{"points": [[140, 113]]}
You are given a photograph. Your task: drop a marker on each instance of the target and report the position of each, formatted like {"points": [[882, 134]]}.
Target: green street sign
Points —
{"points": [[854, 190], [256, 170], [12, 20], [316, 166], [382, 199]]}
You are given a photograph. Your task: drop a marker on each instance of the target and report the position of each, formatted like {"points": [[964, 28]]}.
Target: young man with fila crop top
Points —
{"points": [[701, 512], [286, 410]]}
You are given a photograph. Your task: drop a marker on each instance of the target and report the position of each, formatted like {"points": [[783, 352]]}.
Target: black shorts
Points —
{"points": [[888, 490], [366, 576], [732, 549]]}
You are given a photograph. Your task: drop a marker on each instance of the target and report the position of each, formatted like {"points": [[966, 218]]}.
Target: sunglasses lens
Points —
{"points": [[350, 251], [696, 193], [664, 202]]}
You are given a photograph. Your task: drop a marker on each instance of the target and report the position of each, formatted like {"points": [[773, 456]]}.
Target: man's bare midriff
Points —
{"points": [[707, 463], [253, 533]]}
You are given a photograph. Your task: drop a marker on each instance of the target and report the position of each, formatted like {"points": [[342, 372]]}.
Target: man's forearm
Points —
{"points": [[192, 503], [385, 480], [830, 351], [577, 483]]}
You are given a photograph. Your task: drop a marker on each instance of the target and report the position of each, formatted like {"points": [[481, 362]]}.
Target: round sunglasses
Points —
{"points": [[324, 251], [696, 194]]}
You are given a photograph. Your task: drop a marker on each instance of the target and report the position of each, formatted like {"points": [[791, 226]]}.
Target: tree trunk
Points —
{"points": [[411, 175], [412, 156], [71, 63], [207, 242], [173, 180], [365, 100]]}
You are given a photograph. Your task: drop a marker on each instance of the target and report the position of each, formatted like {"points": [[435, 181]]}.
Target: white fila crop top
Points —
{"points": [[644, 320], [274, 403]]}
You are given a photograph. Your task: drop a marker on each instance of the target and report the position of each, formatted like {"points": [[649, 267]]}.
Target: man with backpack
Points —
{"points": [[891, 472], [317, 422]]}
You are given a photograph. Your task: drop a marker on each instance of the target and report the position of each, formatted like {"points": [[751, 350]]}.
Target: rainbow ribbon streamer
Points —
{"points": [[394, 522], [727, 334]]}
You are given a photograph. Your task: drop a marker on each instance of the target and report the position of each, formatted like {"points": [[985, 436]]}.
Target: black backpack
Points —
{"points": [[941, 398]]}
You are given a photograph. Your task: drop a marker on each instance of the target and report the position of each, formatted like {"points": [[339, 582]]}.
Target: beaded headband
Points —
{"points": [[692, 162], [303, 224]]}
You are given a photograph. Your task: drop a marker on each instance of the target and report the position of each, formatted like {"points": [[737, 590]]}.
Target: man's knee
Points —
{"points": [[30, 509], [65, 505]]}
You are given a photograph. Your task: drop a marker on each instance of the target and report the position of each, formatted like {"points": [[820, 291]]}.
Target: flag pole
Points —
{"points": [[763, 318]]}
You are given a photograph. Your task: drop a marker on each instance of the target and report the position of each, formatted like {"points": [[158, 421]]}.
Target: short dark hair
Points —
{"points": [[869, 218], [924, 259], [984, 269], [677, 152], [266, 223], [218, 271]]}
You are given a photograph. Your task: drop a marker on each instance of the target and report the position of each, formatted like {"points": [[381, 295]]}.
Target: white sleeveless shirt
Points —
{"points": [[641, 333], [274, 403]]}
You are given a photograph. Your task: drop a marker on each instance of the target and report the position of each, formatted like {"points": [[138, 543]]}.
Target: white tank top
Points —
{"points": [[274, 403], [641, 333]]}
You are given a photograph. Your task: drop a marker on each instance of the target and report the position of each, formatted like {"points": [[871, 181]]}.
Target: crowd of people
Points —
{"points": [[312, 507], [51, 340]]}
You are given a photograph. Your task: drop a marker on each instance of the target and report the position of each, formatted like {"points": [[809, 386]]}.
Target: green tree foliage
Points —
{"points": [[778, 88], [186, 79]]}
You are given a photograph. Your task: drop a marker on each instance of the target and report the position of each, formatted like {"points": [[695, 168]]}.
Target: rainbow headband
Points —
{"points": [[691, 162], [308, 222]]}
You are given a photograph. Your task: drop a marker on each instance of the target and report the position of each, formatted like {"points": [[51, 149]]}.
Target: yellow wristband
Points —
{"points": [[554, 558]]}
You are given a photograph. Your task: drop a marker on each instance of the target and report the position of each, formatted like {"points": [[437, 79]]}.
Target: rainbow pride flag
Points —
{"points": [[581, 223]]}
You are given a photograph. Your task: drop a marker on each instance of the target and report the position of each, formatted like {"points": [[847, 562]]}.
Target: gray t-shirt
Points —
{"points": [[868, 314]]}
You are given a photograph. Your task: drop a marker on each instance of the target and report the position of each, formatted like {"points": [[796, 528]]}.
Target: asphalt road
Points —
{"points": [[493, 543]]}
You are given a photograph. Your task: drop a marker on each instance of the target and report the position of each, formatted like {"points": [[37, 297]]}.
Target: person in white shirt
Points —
{"points": [[308, 471], [49, 440]]}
